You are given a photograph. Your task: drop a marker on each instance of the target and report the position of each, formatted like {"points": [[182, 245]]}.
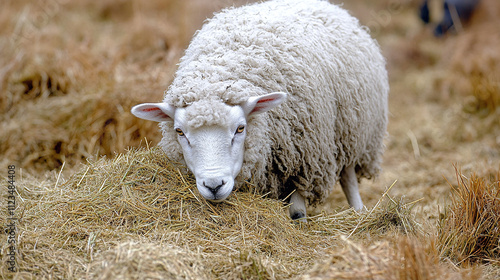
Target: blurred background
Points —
{"points": [[71, 70]]}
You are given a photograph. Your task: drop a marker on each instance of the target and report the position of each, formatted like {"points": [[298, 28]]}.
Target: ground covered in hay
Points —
{"points": [[137, 216], [71, 70]]}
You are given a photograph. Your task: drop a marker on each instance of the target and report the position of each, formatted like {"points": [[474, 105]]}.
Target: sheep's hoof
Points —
{"points": [[299, 217]]}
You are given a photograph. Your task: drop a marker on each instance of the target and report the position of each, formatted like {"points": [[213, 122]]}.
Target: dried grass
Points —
{"points": [[474, 60], [405, 259], [388, 215], [469, 228], [127, 217]]}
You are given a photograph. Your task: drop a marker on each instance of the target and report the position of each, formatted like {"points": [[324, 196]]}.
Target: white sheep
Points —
{"points": [[310, 56]]}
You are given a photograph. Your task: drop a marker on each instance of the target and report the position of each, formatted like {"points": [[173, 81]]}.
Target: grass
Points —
{"points": [[468, 229]]}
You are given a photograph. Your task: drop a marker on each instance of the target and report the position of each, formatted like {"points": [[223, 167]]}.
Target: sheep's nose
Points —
{"points": [[214, 186]]}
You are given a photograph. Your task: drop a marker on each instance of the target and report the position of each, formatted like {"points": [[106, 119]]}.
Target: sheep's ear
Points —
{"points": [[263, 103], [158, 112]]}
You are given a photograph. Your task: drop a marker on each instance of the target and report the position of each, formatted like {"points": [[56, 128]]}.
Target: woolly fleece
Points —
{"points": [[332, 70]]}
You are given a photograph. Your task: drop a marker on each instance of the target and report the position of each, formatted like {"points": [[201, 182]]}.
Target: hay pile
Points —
{"points": [[139, 216]]}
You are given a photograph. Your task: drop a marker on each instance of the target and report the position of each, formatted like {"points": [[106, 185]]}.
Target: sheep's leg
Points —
{"points": [[297, 207], [349, 183]]}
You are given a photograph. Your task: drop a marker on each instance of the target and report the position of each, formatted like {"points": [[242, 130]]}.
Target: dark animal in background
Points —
{"points": [[455, 13]]}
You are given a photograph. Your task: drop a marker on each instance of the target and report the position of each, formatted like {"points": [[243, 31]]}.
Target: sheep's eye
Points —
{"points": [[179, 132], [240, 129]]}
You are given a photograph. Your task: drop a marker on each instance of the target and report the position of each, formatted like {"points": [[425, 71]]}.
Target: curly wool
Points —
{"points": [[332, 70]]}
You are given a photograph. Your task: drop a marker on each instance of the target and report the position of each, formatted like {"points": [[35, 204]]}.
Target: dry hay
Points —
{"points": [[388, 215], [403, 259], [475, 60], [469, 228], [470, 61], [139, 216]]}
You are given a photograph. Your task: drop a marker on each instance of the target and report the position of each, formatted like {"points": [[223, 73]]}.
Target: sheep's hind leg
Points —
{"points": [[349, 183], [297, 207]]}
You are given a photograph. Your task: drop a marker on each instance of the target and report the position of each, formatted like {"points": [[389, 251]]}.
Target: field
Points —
{"points": [[96, 199]]}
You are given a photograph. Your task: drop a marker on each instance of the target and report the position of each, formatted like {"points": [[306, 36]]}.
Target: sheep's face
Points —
{"points": [[212, 136], [213, 152]]}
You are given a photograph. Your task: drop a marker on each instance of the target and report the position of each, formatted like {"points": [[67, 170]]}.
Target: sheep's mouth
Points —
{"points": [[216, 198], [216, 194]]}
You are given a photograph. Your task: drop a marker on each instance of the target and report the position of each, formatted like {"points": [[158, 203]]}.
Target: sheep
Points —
{"points": [[455, 13], [290, 94]]}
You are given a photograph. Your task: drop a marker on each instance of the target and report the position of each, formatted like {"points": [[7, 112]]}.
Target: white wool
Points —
{"points": [[332, 70]]}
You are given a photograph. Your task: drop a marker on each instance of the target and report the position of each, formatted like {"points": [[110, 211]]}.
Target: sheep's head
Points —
{"points": [[212, 136]]}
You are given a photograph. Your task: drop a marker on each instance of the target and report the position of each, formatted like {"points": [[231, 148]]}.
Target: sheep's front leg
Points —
{"points": [[297, 207], [349, 183]]}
